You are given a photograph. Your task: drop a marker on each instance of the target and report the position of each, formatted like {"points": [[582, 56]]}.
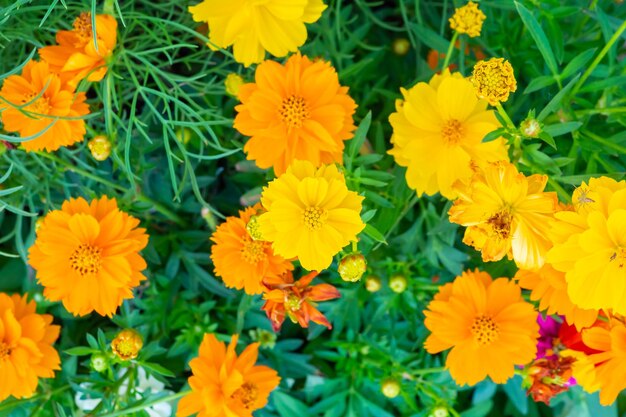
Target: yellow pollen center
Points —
{"points": [[293, 302], [294, 111], [86, 259], [5, 350], [253, 251], [452, 132], [248, 393], [314, 217], [82, 27], [126, 347], [501, 224], [485, 330], [39, 106]]}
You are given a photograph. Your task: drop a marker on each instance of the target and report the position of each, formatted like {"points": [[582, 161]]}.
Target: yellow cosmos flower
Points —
{"points": [[468, 19], [253, 27], [590, 245], [310, 215], [494, 80], [488, 325], [26, 352], [438, 130], [506, 213], [548, 286]]}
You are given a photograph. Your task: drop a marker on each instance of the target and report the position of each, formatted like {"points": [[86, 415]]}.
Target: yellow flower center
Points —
{"points": [[39, 106], [82, 27], [248, 393], [86, 259], [314, 218], [293, 302], [254, 229], [501, 224], [253, 251], [452, 132], [294, 111], [125, 347], [485, 330], [493, 80], [5, 350]]}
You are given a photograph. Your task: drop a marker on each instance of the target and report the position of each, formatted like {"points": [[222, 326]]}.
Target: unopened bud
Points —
{"points": [[254, 229], [232, 83], [183, 135], [530, 128], [99, 362], [372, 283], [390, 388], [352, 267], [401, 46], [398, 283], [100, 148]]}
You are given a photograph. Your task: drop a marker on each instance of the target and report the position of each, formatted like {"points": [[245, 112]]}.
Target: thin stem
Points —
{"points": [[409, 206], [145, 405], [596, 61], [505, 116], [12, 404], [446, 60]]}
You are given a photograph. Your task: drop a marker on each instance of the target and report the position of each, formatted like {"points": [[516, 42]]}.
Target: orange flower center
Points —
{"points": [[5, 350], [294, 111], [39, 106], [292, 302], [126, 348], [248, 393], [501, 224], [86, 259], [485, 330], [82, 27], [314, 218], [452, 132], [253, 251]]}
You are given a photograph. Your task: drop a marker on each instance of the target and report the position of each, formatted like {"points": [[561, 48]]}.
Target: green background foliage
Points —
{"points": [[570, 70]]}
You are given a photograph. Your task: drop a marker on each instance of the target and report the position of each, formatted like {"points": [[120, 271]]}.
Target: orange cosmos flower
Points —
{"points": [[224, 385], [295, 111], [76, 54], [37, 103], [549, 287], [488, 325], [296, 300], [506, 213], [242, 260], [604, 369], [87, 256], [26, 352]]}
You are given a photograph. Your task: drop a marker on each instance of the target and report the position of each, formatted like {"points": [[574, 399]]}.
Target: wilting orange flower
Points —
{"points": [[310, 215], [26, 352], [488, 325], [590, 245], [76, 54], [296, 300], [506, 213], [295, 111], [603, 370], [240, 259], [225, 385], [37, 103], [87, 256], [549, 287], [438, 131]]}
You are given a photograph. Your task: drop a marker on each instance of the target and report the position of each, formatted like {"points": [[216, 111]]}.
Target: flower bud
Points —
{"points": [[401, 46], [127, 344], [390, 387], [398, 283], [265, 338], [232, 83], [352, 267], [99, 362], [530, 127], [253, 228], [183, 135], [439, 412], [100, 148], [372, 283]]}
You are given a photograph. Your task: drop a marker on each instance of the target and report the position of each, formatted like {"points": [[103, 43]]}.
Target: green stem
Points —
{"points": [[446, 60], [12, 404], [408, 207], [145, 405], [426, 371], [596, 61], [505, 116]]}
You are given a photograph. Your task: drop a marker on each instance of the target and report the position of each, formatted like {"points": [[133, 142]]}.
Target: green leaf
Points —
{"points": [[561, 128], [288, 406], [539, 36], [358, 139], [157, 369], [372, 232], [556, 100], [80, 351], [431, 38], [545, 136], [540, 82], [578, 62], [513, 390]]}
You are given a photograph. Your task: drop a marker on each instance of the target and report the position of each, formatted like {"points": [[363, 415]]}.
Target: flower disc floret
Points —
{"points": [[468, 19], [494, 80]]}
